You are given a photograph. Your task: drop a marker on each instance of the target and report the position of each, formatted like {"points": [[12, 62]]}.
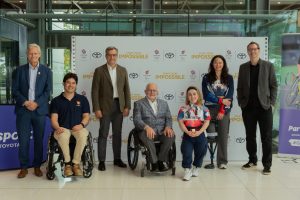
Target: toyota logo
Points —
{"points": [[97, 55], [240, 140], [169, 55], [133, 75], [169, 96], [241, 55]]}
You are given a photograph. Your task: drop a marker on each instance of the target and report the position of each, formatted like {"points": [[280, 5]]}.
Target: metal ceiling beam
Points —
{"points": [[145, 16]]}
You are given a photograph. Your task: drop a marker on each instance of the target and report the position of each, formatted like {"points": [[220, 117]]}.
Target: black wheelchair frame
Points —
{"points": [[135, 145], [87, 157], [212, 145]]}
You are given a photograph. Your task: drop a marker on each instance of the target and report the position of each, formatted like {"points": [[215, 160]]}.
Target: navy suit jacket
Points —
{"points": [[43, 87], [143, 115]]}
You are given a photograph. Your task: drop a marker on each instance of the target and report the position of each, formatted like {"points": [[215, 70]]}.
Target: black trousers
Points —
{"points": [[264, 118]]}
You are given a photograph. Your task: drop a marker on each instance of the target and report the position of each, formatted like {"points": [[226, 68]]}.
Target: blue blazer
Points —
{"points": [[43, 87]]}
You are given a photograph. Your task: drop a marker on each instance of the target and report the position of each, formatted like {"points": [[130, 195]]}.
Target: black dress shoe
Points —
{"points": [[161, 166], [154, 167], [101, 166], [120, 163]]}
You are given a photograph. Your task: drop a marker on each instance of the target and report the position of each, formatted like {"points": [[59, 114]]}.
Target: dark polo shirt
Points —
{"points": [[70, 111]]}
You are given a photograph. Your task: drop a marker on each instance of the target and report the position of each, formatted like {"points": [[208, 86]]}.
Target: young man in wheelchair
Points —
{"points": [[70, 114], [152, 118]]}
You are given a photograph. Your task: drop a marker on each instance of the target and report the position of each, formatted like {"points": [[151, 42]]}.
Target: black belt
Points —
{"points": [[116, 99]]}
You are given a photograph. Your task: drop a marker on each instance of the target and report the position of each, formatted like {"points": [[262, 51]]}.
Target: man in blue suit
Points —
{"points": [[152, 118], [32, 84]]}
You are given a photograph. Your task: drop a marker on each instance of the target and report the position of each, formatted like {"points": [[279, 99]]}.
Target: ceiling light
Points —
{"points": [[128, 2], [91, 2], [278, 2]]}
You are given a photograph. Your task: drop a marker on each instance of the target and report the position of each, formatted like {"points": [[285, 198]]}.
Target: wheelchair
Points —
{"points": [[212, 135], [135, 145], [87, 157]]}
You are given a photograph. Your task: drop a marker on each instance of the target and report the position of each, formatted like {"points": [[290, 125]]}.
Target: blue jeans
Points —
{"points": [[198, 144]]}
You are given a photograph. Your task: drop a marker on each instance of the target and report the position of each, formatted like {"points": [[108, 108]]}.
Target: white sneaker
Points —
{"points": [[187, 174], [195, 171], [223, 166]]}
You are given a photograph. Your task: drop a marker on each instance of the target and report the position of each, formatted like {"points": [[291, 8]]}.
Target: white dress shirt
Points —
{"points": [[113, 76], [153, 105]]}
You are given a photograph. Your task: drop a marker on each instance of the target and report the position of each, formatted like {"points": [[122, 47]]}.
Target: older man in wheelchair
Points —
{"points": [[69, 116], [153, 122]]}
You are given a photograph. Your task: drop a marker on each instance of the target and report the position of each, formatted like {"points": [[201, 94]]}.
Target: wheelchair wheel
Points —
{"points": [[143, 170], [88, 158], [173, 171], [50, 163], [132, 150], [50, 175], [172, 157]]}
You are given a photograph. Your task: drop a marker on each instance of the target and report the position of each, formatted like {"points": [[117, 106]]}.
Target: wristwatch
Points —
{"points": [[82, 125]]}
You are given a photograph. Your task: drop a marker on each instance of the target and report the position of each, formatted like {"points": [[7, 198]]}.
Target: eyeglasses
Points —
{"points": [[253, 49]]}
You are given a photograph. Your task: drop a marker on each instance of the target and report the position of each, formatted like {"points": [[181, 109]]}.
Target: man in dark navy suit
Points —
{"points": [[31, 88]]}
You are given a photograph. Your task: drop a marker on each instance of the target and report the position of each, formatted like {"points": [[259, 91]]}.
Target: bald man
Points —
{"points": [[152, 118]]}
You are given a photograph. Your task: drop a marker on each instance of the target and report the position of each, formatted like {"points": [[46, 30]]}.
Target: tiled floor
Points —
{"points": [[124, 184]]}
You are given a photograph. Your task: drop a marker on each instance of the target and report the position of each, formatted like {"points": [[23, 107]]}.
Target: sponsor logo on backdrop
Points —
{"points": [[169, 97], [93, 118], [83, 54], [88, 76], [180, 97], [135, 97], [182, 55], [169, 55], [294, 142], [203, 55], [235, 75], [156, 55], [10, 140], [133, 55], [241, 56], [147, 75], [228, 54], [133, 75], [236, 118], [169, 76], [193, 74], [97, 55], [174, 118], [240, 140]]}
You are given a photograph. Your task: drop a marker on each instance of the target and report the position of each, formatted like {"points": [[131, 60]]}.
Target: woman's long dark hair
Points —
{"points": [[211, 75]]}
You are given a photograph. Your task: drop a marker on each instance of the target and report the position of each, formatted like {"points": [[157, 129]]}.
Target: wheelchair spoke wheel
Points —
{"points": [[87, 174], [50, 175], [172, 156], [132, 151]]}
